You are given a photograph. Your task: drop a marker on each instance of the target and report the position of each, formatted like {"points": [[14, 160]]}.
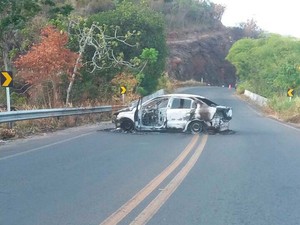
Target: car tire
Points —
{"points": [[196, 127], [127, 125]]}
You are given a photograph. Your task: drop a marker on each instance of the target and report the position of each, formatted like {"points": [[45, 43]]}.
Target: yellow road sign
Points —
{"points": [[6, 79], [123, 90], [290, 92]]}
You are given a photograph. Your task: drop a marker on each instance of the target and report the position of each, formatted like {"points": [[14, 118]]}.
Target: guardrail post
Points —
{"points": [[9, 124]]}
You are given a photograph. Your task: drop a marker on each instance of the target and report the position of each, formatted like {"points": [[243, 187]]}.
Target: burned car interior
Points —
{"points": [[184, 112], [153, 113]]}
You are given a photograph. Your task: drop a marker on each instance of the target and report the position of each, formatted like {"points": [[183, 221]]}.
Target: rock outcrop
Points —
{"points": [[201, 57]]}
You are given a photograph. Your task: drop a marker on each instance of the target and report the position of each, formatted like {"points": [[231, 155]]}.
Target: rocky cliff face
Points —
{"points": [[201, 57]]}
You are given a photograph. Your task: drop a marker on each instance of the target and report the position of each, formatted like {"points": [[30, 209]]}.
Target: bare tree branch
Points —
{"points": [[104, 56]]}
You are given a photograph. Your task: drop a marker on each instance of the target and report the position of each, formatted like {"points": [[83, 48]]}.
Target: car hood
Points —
{"points": [[127, 109]]}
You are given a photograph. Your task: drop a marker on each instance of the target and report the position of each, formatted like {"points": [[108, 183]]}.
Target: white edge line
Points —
{"points": [[257, 112], [42, 147]]}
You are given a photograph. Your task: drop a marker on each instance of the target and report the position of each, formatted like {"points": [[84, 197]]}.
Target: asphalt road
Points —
{"points": [[92, 176]]}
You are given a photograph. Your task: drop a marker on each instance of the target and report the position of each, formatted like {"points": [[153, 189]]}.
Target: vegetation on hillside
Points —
{"points": [[130, 39], [268, 65], [100, 43]]}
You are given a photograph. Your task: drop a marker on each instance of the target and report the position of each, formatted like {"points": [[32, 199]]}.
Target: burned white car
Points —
{"points": [[184, 112]]}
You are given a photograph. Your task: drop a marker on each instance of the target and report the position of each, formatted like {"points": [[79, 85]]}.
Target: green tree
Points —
{"points": [[103, 48], [192, 14], [288, 76], [140, 17], [14, 15], [268, 65], [20, 24], [88, 7], [14, 18], [149, 57]]}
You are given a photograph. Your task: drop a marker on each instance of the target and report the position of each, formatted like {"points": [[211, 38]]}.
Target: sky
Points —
{"points": [[274, 16]]}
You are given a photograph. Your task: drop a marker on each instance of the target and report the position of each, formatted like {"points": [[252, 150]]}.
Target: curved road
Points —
{"points": [[92, 176]]}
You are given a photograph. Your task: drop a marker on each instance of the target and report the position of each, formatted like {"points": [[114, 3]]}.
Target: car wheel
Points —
{"points": [[196, 127], [127, 125]]}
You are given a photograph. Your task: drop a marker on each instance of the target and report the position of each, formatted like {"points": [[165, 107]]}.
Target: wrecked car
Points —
{"points": [[184, 112]]}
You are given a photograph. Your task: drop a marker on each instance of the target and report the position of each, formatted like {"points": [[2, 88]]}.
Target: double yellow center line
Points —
{"points": [[162, 197]]}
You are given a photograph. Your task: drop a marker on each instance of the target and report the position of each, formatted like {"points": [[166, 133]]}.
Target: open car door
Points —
{"points": [[152, 114]]}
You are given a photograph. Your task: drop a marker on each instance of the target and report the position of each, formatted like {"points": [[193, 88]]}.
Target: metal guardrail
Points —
{"points": [[45, 113]]}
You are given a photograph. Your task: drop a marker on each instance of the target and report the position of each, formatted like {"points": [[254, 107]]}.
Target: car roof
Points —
{"points": [[180, 95], [183, 95], [204, 99]]}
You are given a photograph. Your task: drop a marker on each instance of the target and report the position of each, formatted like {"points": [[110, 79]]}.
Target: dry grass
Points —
{"points": [[26, 128], [23, 129], [286, 109], [294, 119], [281, 108]]}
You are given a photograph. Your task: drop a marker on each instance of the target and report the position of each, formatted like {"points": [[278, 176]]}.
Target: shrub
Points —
{"points": [[286, 109]]}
